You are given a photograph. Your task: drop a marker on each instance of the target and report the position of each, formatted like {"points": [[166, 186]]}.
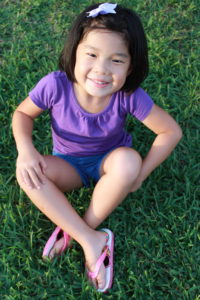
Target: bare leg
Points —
{"points": [[52, 202], [120, 169]]}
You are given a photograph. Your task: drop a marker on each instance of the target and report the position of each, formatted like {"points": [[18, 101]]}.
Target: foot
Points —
{"points": [[56, 244], [91, 257]]}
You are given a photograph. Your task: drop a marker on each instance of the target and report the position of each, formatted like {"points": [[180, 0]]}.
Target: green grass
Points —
{"points": [[157, 254]]}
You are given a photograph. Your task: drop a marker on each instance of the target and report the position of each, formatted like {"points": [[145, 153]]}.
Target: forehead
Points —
{"points": [[104, 38]]}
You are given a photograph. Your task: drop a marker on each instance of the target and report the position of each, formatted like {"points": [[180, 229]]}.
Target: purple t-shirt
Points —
{"points": [[80, 133]]}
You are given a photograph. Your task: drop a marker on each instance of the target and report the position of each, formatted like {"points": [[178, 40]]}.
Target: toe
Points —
{"points": [[101, 278]]}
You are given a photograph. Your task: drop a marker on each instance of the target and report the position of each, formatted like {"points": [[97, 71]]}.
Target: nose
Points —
{"points": [[101, 67]]}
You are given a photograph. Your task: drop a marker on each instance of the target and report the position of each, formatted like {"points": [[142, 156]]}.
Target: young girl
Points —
{"points": [[101, 67]]}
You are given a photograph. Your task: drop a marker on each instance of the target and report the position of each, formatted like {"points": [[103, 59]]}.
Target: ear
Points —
{"points": [[129, 71]]}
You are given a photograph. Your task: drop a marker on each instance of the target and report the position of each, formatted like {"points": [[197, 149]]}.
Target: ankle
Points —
{"points": [[95, 241]]}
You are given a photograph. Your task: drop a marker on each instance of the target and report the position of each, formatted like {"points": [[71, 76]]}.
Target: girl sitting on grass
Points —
{"points": [[101, 68]]}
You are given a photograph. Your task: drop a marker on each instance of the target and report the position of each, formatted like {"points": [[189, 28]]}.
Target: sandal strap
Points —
{"points": [[100, 260]]}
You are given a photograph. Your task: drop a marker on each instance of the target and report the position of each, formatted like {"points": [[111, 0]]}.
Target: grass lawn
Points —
{"points": [[157, 254]]}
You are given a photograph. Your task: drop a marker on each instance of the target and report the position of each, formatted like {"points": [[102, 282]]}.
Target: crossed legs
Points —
{"points": [[119, 170]]}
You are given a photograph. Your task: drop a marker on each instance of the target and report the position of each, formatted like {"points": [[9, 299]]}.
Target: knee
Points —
{"points": [[126, 165]]}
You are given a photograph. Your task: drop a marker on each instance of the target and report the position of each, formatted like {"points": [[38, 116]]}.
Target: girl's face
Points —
{"points": [[102, 64]]}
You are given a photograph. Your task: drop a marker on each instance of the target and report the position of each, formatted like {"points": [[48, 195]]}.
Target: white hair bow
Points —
{"points": [[103, 9]]}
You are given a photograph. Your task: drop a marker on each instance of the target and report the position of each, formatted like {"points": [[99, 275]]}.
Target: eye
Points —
{"points": [[118, 61], [91, 54]]}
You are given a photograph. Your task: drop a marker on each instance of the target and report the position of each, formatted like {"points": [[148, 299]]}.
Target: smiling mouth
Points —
{"points": [[99, 83]]}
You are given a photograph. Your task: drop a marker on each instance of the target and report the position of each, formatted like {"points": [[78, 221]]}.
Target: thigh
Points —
{"points": [[62, 173]]}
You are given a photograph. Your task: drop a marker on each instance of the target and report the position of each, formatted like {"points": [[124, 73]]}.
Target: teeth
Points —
{"points": [[100, 82]]}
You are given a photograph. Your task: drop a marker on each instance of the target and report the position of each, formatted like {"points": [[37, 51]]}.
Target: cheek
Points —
{"points": [[128, 71], [121, 76], [83, 66]]}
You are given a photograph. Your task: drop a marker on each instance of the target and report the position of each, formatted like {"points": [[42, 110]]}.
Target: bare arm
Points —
{"points": [[30, 163], [168, 135]]}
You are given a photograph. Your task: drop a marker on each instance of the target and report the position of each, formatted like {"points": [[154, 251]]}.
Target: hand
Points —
{"points": [[31, 168]]}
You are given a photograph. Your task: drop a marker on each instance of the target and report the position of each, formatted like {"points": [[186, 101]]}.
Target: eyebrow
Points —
{"points": [[117, 53]]}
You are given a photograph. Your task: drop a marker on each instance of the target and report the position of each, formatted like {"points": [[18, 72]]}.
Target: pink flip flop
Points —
{"points": [[106, 258], [53, 238]]}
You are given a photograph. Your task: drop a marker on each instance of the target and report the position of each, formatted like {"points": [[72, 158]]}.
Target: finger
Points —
{"points": [[40, 174], [26, 178], [34, 178]]}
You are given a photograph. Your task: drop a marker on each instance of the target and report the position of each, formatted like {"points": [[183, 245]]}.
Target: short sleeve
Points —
{"points": [[43, 93], [140, 104]]}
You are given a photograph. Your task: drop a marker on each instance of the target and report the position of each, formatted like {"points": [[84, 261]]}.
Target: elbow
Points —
{"points": [[178, 133]]}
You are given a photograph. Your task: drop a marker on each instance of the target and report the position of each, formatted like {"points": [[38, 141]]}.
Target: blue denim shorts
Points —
{"points": [[88, 167]]}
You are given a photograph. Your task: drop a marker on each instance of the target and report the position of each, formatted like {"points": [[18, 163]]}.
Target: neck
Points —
{"points": [[89, 103]]}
